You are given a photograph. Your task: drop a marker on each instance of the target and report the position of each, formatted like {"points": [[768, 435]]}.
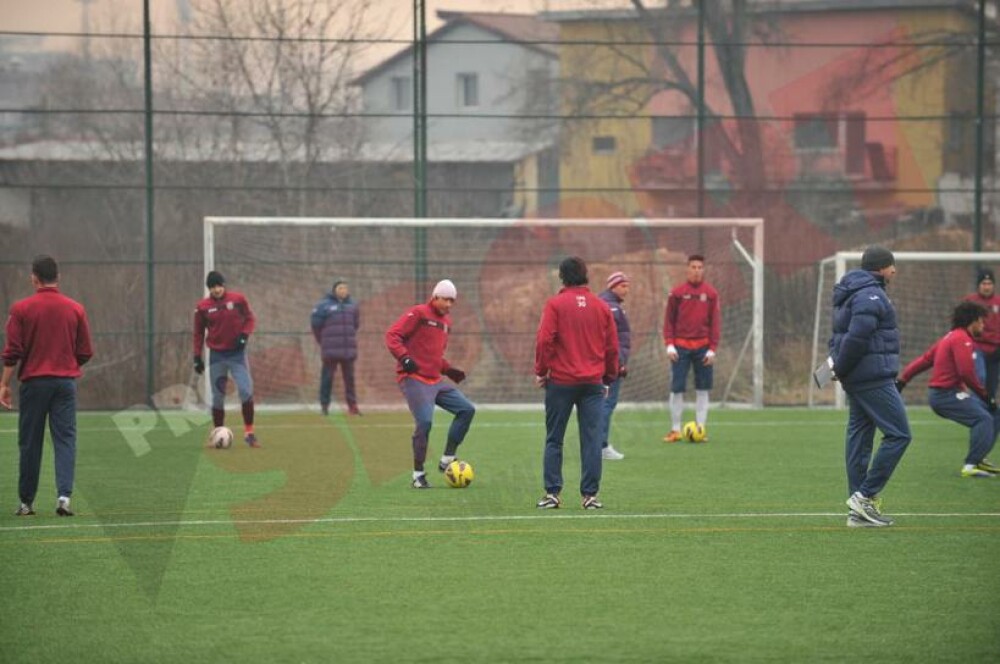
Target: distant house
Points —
{"points": [[486, 72], [833, 113]]}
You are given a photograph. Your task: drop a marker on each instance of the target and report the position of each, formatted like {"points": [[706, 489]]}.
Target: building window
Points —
{"points": [[672, 131], [955, 134], [816, 132], [603, 145], [468, 90], [401, 93]]}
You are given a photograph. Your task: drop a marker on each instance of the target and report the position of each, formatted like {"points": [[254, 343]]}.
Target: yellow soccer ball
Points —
{"points": [[694, 432], [459, 474]]}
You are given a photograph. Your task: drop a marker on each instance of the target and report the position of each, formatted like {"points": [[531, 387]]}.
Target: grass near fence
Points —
{"points": [[314, 549]]}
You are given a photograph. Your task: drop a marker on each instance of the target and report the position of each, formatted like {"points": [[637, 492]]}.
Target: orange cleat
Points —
{"points": [[673, 437]]}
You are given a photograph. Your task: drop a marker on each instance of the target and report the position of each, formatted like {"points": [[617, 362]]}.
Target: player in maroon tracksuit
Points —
{"points": [[49, 336], [691, 331], [223, 321], [418, 340], [989, 340], [956, 391], [576, 359]]}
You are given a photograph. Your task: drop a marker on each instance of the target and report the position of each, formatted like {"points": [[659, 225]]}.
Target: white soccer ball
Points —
{"points": [[221, 438]]}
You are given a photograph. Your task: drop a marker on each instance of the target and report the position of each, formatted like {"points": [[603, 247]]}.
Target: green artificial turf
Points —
{"points": [[314, 549]]}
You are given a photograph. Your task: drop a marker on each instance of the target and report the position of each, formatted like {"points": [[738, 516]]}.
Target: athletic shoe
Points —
{"points": [[867, 509], [25, 510], [251, 441], [986, 465], [443, 465], [353, 410], [325, 409], [62, 507], [976, 471], [609, 453], [673, 437], [592, 503], [855, 521], [420, 482], [549, 502]]}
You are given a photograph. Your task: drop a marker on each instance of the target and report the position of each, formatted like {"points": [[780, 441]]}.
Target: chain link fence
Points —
{"points": [[838, 123]]}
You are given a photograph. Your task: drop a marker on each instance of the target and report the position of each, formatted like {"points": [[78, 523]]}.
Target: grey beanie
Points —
{"points": [[876, 258]]}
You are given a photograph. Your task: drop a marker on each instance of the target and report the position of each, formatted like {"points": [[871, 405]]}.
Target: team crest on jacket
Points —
{"points": [[229, 305], [703, 297], [996, 308], [581, 301]]}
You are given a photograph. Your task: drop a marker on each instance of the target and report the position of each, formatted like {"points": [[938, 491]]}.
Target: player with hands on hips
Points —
{"points": [[418, 340]]}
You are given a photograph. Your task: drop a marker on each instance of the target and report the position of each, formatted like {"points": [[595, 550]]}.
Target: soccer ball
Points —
{"points": [[459, 474], [694, 432], [221, 438]]}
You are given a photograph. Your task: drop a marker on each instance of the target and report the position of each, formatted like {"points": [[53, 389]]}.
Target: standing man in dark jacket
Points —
{"points": [[335, 321], [49, 337], [576, 358], [865, 353], [989, 341], [614, 295]]}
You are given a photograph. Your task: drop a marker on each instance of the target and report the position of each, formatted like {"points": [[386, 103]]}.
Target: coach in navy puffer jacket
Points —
{"points": [[865, 353], [335, 321], [865, 342]]}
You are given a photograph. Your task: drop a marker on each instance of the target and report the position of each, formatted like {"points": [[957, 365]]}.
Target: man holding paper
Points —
{"points": [[865, 353]]}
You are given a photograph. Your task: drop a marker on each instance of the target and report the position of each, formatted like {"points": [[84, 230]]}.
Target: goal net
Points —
{"points": [[926, 288], [504, 271]]}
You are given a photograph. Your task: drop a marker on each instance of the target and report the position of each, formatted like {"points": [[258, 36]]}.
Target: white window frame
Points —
{"points": [[462, 79]]}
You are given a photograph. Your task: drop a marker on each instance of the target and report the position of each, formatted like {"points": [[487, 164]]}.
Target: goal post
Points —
{"points": [[504, 270], [927, 287]]}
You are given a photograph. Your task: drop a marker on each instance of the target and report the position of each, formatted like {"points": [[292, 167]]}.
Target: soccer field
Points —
{"points": [[314, 549]]}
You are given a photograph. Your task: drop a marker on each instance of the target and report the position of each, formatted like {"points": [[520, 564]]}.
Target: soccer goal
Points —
{"points": [[504, 270], [927, 287]]}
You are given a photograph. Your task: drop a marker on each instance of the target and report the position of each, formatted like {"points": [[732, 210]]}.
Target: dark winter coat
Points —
{"points": [[335, 325], [865, 341], [621, 322]]}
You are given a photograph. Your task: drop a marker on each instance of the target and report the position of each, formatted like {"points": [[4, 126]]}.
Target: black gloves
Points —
{"points": [[409, 366], [241, 341], [622, 372], [456, 375], [199, 365], [900, 385]]}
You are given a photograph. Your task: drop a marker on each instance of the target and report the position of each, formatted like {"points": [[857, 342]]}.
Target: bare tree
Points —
{"points": [[731, 26]]}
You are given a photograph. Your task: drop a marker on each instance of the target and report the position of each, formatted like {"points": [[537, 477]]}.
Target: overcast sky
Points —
{"points": [[394, 16]]}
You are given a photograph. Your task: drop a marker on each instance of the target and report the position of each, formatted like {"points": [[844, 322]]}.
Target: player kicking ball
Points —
{"points": [[418, 340], [224, 322]]}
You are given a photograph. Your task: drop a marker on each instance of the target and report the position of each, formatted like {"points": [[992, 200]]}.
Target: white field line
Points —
{"points": [[473, 519], [405, 423]]}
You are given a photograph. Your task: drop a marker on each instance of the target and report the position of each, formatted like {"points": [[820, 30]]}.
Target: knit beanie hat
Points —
{"points": [[985, 274], [616, 279], [214, 279], [445, 289], [876, 258]]}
